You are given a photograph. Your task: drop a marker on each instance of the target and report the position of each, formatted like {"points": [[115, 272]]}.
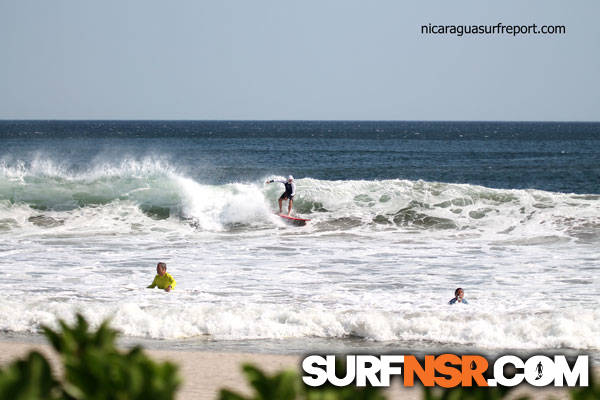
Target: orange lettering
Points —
{"points": [[473, 367], [412, 366], [454, 373]]}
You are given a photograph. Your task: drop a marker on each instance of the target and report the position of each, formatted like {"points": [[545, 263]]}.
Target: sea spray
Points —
{"points": [[160, 192], [377, 263]]}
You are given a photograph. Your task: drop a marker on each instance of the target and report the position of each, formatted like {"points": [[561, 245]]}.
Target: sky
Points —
{"points": [[300, 60]]}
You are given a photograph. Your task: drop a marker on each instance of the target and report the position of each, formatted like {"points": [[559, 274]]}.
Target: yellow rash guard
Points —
{"points": [[163, 281]]}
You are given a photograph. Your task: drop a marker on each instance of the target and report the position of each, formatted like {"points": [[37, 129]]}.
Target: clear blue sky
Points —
{"points": [[310, 59]]}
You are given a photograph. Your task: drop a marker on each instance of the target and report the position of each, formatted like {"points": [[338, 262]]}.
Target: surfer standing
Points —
{"points": [[290, 192], [539, 369]]}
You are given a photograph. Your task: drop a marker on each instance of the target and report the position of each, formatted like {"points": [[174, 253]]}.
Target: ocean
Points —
{"points": [[402, 213]]}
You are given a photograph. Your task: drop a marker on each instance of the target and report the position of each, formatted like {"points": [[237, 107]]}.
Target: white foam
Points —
{"points": [[214, 207], [441, 209], [495, 329], [527, 259]]}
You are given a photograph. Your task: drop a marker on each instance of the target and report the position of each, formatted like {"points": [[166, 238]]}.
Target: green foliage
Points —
{"points": [[287, 385], [330, 392], [468, 393], [282, 386], [592, 392], [94, 369], [29, 379]]}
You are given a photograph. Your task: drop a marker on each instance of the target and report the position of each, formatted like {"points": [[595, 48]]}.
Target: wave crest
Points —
{"points": [[48, 195]]}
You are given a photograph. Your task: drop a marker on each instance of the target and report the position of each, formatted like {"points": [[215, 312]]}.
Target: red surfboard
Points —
{"points": [[293, 220]]}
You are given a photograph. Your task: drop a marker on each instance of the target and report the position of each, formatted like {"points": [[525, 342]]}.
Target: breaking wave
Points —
{"points": [[494, 329], [138, 194]]}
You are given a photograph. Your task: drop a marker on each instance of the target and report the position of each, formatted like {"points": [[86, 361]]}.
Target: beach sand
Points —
{"points": [[204, 373]]}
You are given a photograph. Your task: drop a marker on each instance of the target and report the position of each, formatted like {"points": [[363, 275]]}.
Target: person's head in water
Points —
{"points": [[290, 178], [459, 293], [161, 268], [162, 280]]}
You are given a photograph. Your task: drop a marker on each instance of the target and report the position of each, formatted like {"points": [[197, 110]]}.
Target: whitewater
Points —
{"points": [[378, 262]]}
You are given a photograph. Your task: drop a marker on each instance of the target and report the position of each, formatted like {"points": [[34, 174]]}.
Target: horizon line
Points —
{"points": [[284, 120]]}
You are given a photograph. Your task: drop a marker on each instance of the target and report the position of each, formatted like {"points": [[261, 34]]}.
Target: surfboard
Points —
{"points": [[294, 220]]}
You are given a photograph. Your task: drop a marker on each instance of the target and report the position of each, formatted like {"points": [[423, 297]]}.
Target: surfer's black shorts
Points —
{"points": [[286, 196]]}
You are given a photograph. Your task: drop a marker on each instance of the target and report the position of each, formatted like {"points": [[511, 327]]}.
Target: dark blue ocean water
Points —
{"points": [[103, 202], [559, 157]]}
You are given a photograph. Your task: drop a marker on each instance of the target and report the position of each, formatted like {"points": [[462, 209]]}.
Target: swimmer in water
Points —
{"points": [[162, 279], [459, 295]]}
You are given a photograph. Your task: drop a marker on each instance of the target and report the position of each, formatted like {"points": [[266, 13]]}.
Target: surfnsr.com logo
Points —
{"points": [[445, 370]]}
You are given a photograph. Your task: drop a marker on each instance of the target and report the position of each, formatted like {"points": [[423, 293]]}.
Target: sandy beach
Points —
{"points": [[221, 184], [402, 213], [205, 373]]}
